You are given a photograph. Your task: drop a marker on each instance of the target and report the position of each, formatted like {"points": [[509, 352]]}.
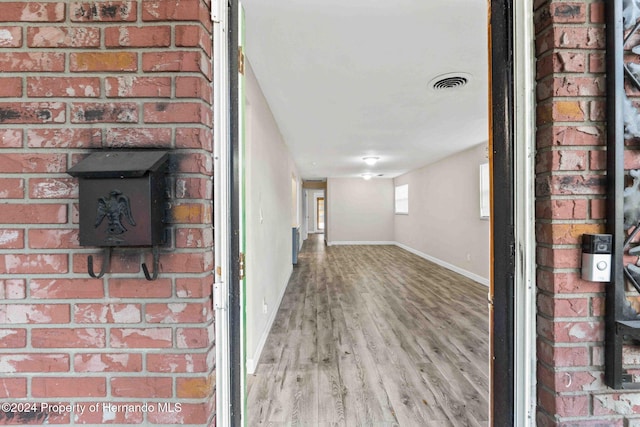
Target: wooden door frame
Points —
{"points": [[502, 155]]}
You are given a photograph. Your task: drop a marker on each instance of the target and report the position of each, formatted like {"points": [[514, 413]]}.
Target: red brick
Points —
{"points": [[185, 262], [563, 307], [561, 160], [72, 37], [107, 313], [11, 363], [193, 338], [139, 137], [570, 332], [104, 11], [194, 138], [68, 338], [571, 185], [68, 387], [195, 388], [33, 163], [134, 87], [194, 288], [562, 209], [53, 188], [597, 160], [104, 113], [579, 37], [559, 357], [34, 313], [193, 36], [190, 413], [597, 14], [76, 87], [566, 283], [183, 363], [565, 234], [64, 138], [597, 111], [578, 86], [103, 61], [561, 111], [176, 61], [66, 288], [141, 387], [141, 338], [129, 36], [190, 213], [33, 213], [194, 238], [131, 288], [13, 289], [13, 388], [10, 36], [10, 87], [16, 62], [186, 10], [558, 258], [195, 163], [177, 313], [21, 11], [183, 112], [597, 63], [194, 188], [43, 238], [11, 188], [32, 112], [13, 338], [194, 87], [107, 362], [571, 136], [34, 263], [598, 208], [10, 138]]}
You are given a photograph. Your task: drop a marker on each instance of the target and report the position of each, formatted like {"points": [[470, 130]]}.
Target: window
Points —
{"points": [[402, 199]]}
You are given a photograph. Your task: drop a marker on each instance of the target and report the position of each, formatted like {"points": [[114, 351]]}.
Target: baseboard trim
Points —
{"points": [[252, 363], [351, 242], [475, 277]]}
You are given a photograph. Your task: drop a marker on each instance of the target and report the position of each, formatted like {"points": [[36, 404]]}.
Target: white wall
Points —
{"points": [[269, 217], [359, 211], [444, 222]]}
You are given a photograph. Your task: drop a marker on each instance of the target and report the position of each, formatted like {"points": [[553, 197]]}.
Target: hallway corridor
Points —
{"points": [[373, 336]]}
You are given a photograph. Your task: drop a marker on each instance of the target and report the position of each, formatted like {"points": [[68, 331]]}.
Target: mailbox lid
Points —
{"points": [[119, 164]]}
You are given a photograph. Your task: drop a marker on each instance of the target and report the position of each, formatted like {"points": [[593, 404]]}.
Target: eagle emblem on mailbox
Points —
{"points": [[113, 208]]}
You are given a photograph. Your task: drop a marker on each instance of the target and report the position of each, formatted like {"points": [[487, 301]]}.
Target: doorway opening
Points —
{"points": [[319, 214], [503, 157]]}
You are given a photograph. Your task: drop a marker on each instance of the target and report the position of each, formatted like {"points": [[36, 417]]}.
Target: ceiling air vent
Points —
{"points": [[449, 81]]}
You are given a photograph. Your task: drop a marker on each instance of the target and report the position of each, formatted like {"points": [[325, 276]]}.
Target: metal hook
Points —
{"points": [[105, 264], [156, 262]]}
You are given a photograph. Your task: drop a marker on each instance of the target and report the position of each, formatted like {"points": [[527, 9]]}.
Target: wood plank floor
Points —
{"points": [[373, 336]]}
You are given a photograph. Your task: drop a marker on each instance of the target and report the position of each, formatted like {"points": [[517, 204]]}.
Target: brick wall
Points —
{"points": [[75, 77], [570, 191]]}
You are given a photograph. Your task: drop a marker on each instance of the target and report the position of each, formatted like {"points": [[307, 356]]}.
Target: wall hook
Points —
{"points": [[156, 262], [105, 264]]}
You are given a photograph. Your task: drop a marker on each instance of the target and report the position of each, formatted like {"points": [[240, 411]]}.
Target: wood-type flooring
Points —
{"points": [[373, 336]]}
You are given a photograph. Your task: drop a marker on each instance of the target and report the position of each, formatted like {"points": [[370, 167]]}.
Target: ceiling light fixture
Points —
{"points": [[370, 160], [367, 176]]}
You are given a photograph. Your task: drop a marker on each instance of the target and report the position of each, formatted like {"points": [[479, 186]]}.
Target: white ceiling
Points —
{"points": [[350, 78]]}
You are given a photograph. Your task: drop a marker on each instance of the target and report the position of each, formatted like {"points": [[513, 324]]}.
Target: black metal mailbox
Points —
{"points": [[122, 196]]}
